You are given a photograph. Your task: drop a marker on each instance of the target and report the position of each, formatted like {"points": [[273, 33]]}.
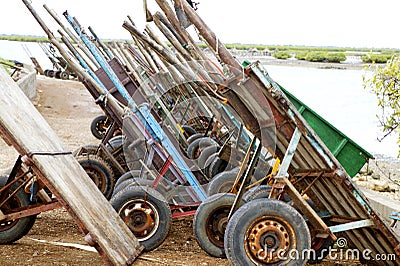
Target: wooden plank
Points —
{"points": [[29, 132]]}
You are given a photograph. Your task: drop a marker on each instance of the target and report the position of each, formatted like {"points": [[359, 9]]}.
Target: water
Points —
{"points": [[337, 95], [15, 51]]}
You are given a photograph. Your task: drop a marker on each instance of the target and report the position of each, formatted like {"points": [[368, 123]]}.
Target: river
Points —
{"points": [[337, 95]]}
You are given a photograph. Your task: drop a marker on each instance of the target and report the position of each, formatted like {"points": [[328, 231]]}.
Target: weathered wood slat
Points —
{"points": [[29, 132]]}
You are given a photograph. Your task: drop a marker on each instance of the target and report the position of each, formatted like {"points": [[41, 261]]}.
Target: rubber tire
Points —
{"points": [[102, 168], [222, 182], [260, 192], [208, 163], [188, 131], [57, 74], [194, 137], [113, 144], [23, 225], [94, 126], [51, 73], [321, 252], [216, 166], [138, 182], [243, 218], [64, 75], [199, 144], [205, 154], [127, 175], [209, 207], [133, 193], [87, 149], [135, 181]]}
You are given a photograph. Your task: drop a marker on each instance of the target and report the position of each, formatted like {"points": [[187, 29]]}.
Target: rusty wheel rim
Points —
{"points": [[98, 178], [102, 126], [269, 239], [141, 217], [11, 205], [216, 224]]}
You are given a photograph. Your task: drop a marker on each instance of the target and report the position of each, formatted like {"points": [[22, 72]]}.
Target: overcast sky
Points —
{"points": [[350, 23]]}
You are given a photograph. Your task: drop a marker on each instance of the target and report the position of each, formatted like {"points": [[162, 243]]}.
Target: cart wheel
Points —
{"points": [[264, 231], [64, 75], [205, 154], [11, 231], [210, 222], [57, 74], [99, 126], [194, 137], [188, 131], [100, 173], [127, 175], [89, 149], [138, 182], [321, 249], [51, 73], [196, 147], [216, 166], [222, 182], [207, 164], [146, 213], [260, 192], [115, 146]]}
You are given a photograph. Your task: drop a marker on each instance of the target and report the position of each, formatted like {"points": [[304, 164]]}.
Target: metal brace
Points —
{"points": [[283, 181]]}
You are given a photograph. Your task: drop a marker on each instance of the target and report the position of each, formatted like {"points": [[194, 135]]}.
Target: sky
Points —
{"points": [[350, 23]]}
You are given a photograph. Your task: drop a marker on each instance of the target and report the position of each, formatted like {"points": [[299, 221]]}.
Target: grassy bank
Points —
{"points": [[308, 53], [20, 38]]}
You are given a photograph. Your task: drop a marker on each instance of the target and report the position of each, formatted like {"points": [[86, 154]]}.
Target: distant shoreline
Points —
{"points": [[267, 60]]}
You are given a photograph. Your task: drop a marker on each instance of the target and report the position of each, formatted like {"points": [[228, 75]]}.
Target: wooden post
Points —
{"points": [[30, 134], [208, 35]]}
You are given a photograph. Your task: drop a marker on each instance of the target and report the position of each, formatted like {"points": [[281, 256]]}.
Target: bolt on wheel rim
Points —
{"points": [[216, 225], [141, 217], [269, 239]]}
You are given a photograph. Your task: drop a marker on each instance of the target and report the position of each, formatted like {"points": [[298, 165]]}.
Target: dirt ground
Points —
{"points": [[69, 109]]}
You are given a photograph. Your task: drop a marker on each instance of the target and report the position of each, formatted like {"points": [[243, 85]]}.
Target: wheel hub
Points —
{"points": [[97, 178], [216, 225], [12, 204], [268, 240], [141, 219]]}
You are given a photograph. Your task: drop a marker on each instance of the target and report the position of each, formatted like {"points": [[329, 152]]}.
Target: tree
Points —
{"points": [[385, 83]]}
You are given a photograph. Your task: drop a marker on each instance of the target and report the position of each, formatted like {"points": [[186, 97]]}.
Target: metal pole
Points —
{"points": [[143, 113]]}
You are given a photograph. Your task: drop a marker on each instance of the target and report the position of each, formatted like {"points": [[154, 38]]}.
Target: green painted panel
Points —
{"points": [[347, 152]]}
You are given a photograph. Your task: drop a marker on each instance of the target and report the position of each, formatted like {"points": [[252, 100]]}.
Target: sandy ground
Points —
{"points": [[69, 109]]}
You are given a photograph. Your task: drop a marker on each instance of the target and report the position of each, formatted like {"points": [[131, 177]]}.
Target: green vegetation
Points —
{"points": [[377, 58], [309, 53], [385, 83], [282, 55], [19, 38], [301, 55], [335, 57], [316, 56], [298, 49], [320, 56]]}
